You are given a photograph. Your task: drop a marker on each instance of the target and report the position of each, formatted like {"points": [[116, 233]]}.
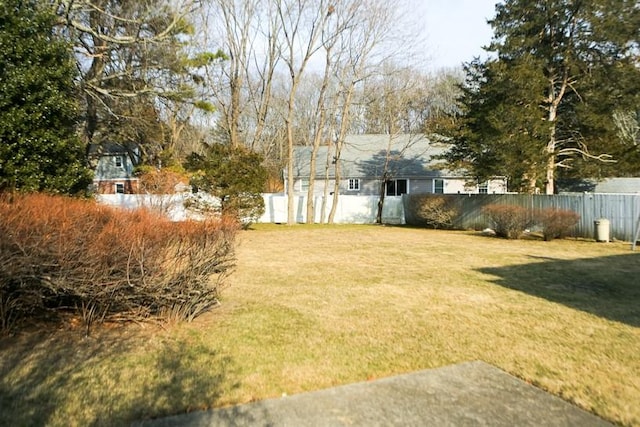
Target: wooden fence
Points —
{"points": [[622, 210]]}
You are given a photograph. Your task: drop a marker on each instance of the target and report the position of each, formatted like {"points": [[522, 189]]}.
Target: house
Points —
{"points": [[114, 166], [408, 162], [602, 186]]}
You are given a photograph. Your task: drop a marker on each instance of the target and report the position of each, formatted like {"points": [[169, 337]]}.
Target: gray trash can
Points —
{"points": [[601, 229]]}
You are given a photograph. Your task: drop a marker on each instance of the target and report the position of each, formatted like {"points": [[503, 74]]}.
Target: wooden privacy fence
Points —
{"points": [[622, 210]]}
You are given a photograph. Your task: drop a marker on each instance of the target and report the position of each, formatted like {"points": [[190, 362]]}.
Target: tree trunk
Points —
{"points": [[344, 125], [291, 220], [325, 192], [554, 99], [336, 182], [550, 168], [94, 74], [317, 138], [383, 192]]}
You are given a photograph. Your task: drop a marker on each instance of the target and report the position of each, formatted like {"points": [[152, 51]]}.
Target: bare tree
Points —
{"points": [[366, 47], [125, 51], [293, 70], [235, 20], [363, 47], [302, 24], [343, 16], [396, 105]]}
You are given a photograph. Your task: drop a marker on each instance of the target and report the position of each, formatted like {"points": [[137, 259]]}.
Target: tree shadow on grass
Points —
{"points": [[61, 378], [608, 287]]}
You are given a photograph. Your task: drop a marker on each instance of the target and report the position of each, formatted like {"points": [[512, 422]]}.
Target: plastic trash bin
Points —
{"points": [[601, 229]]}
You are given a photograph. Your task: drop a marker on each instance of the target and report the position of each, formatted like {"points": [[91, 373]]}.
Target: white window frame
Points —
{"points": [[353, 184], [118, 185], [483, 188], [119, 161], [303, 184]]}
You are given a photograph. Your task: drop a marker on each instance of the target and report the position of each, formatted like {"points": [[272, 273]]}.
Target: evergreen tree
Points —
{"points": [[39, 150], [234, 175], [546, 102]]}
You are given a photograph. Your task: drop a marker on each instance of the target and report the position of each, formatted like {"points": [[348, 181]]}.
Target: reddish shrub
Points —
{"points": [[61, 254], [508, 221], [556, 223]]}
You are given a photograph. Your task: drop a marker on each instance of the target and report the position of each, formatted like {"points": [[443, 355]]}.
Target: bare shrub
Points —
{"points": [[508, 221], [436, 211], [161, 181], [556, 223], [60, 254]]}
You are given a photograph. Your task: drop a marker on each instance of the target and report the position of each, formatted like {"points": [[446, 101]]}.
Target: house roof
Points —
{"points": [[364, 156], [606, 185], [115, 149]]}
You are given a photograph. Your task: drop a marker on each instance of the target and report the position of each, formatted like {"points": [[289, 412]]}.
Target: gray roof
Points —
{"points": [[364, 156], [606, 185]]}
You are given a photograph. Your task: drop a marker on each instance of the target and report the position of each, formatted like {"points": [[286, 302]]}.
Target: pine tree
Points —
{"points": [[546, 101], [39, 149], [234, 175]]}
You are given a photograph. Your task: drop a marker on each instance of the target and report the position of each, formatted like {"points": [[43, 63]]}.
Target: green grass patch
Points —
{"points": [[313, 307]]}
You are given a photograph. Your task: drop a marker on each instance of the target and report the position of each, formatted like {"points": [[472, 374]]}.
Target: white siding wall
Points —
{"points": [[371, 187], [462, 186]]}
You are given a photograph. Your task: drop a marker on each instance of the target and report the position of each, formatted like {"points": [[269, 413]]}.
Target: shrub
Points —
{"points": [[234, 176], [436, 211], [61, 255], [508, 221], [556, 223]]}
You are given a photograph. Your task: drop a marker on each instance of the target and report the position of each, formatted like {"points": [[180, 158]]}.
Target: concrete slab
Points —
{"points": [[468, 394]]}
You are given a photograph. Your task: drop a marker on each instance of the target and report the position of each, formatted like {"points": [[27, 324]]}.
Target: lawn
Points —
{"points": [[310, 307]]}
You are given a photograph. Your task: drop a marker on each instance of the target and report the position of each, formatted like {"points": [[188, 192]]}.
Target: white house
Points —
{"points": [[408, 164]]}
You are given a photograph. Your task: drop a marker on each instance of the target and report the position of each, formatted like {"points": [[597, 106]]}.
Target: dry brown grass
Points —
{"points": [[312, 307]]}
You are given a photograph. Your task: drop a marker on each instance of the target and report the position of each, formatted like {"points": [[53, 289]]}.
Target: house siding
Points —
{"points": [[420, 186], [370, 157], [371, 186], [109, 186], [112, 169]]}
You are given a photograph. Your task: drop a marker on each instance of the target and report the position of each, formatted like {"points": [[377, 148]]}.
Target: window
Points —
{"points": [[396, 187], [118, 161], [438, 186], [483, 188], [354, 184], [119, 188], [303, 184]]}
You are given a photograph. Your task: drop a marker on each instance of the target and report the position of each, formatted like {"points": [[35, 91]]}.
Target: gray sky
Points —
{"points": [[456, 30]]}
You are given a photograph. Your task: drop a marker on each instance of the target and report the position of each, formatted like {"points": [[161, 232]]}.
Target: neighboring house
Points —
{"points": [[606, 186], [412, 168], [114, 168]]}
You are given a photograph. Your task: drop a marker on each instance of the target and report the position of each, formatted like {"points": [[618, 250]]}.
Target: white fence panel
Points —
{"points": [[350, 209], [170, 204]]}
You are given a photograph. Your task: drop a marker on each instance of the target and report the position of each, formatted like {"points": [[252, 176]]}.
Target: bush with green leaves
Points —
{"points": [[39, 149], [234, 176], [61, 256]]}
